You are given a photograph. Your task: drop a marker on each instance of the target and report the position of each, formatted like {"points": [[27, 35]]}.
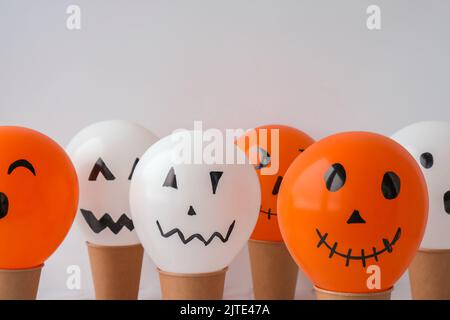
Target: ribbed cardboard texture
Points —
{"points": [[20, 284], [116, 271], [330, 295], [274, 272], [429, 275], [203, 286]]}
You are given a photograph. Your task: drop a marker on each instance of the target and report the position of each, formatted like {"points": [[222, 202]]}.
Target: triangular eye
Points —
{"points": [[100, 167], [171, 179], [134, 168], [390, 185], [335, 177], [265, 158], [215, 177]]}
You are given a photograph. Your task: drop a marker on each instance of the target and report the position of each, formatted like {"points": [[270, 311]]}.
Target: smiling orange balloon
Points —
{"points": [[38, 197], [275, 147], [353, 210]]}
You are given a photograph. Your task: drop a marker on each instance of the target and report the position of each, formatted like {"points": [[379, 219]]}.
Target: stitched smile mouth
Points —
{"points": [[196, 235], [98, 225], [387, 246], [269, 213]]}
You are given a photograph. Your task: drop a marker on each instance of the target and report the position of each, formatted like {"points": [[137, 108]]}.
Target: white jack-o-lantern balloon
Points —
{"points": [[192, 218], [429, 143], [105, 155]]}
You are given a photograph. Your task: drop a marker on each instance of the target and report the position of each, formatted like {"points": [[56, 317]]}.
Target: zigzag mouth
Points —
{"points": [[269, 213], [197, 235], [387, 247], [98, 225]]}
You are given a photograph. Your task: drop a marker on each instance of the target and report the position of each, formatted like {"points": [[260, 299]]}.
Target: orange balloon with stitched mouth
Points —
{"points": [[275, 147], [353, 200], [38, 197]]}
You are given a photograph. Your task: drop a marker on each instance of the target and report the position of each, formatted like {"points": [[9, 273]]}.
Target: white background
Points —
{"points": [[233, 64]]}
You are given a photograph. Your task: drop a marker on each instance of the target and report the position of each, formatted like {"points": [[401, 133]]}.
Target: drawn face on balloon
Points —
{"points": [[38, 197], [350, 201], [277, 143], [105, 155], [192, 218], [428, 143]]}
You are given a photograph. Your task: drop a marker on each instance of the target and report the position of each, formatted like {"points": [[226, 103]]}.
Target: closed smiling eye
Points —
{"points": [[21, 164]]}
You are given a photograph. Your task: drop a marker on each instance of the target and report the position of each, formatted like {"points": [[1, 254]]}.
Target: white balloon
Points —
{"points": [[428, 142], [104, 155], [184, 225]]}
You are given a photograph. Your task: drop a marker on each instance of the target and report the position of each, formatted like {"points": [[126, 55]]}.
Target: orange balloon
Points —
{"points": [[291, 143], [352, 201], [38, 197]]}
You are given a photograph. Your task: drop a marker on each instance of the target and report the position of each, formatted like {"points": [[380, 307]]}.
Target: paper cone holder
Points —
{"points": [[274, 272], [429, 275], [116, 271], [20, 284], [322, 294], [203, 286]]}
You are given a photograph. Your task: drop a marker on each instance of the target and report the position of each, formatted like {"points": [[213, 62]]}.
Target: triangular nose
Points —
{"points": [[191, 211], [355, 218]]}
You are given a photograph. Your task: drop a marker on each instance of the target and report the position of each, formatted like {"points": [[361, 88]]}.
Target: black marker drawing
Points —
{"points": [[4, 205], [171, 179], [21, 163], [447, 202], [335, 177], [355, 218], [134, 168], [269, 213], [196, 235], [191, 211], [98, 225], [426, 160], [388, 246], [100, 167], [215, 177], [277, 185], [390, 186]]}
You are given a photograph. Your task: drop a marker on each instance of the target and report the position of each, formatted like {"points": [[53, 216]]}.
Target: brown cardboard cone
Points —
{"points": [[116, 271], [429, 275], [274, 272], [203, 286], [20, 284], [331, 295]]}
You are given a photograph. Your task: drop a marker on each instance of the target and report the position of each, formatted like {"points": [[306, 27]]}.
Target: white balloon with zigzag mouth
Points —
{"points": [[105, 155], [192, 218]]}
